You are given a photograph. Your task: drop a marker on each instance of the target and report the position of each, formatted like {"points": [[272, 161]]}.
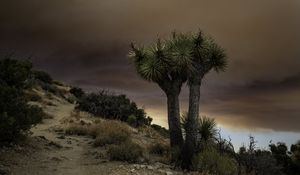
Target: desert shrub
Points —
{"points": [[77, 129], [16, 115], [295, 156], [31, 96], [15, 73], [107, 138], [279, 152], [161, 130], [71, 99], [212, 162], [256, 161], [127, 151], [105, 132], [259, 162], [159, 149], [77, 92], [42, 76], [110, 132], [111, 106], [51, 88], [289, 161], [131, 120], [58, 83]]}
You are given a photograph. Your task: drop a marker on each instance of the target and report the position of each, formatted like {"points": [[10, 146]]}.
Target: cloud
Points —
{"points": [[85, 43], [259, 104]]}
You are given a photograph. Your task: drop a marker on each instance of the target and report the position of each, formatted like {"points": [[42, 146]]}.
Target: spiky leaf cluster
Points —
{"points": [[183, 55], [150, 62], [209, 54]]}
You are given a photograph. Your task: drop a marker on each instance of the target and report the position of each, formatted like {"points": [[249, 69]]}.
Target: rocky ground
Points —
{"points": [[48, 151]]}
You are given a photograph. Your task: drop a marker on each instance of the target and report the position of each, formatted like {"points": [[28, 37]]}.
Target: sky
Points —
{"points": [[86, 42]]}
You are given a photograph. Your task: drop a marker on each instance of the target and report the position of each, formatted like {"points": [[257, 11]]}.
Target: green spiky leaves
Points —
{"points": [[149, 62], [207, 128], [183, 54], [218, 59]]}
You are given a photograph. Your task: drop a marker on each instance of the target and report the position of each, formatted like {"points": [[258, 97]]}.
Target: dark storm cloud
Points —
{"points": [[259, 104], [85, 43]]}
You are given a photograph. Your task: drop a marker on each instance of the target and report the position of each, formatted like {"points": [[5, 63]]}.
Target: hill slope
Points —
{"points": [[49, 150]]}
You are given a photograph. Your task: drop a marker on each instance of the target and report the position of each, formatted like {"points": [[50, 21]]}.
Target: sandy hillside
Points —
{"points": [[48, 151]]}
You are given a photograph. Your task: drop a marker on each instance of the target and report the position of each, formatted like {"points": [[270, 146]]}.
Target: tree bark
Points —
{"points": [[189, 147], [172, 90], [176, 139]]}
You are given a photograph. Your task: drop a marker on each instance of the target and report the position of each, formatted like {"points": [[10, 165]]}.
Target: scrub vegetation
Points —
{"points": [[111, 128]]}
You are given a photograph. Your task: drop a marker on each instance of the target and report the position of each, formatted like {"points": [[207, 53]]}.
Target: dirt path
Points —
{"points": [[48, 151], [51, 152], [61, 154]]}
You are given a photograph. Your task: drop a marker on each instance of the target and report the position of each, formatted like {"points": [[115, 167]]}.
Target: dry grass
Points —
{"points": [[77, 129], [105, 132], [159, 148], [149, 132], [120, 140], [128, 151], [110, 132]]}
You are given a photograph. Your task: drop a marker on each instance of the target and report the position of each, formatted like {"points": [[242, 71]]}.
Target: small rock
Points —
{"points": [[64, 157], [169, 173], [142, 160], [69, 142], [61, 137], [161, 171], [143, 166], [150, 167], [82, 122], [137, 166], [42, 137], [54, 144], [18, 148], [56, 159], [104, 161], [159, 165], [132, 170]]}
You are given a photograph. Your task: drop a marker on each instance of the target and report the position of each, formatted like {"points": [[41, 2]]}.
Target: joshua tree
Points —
{"points": [[165, 63], [184, 57], [206, 55]]}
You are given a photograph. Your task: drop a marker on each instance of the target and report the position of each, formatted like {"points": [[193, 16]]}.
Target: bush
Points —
{"points": [[31, 96], [77, 92], [16, 115], [211, 162], [127, 151], [159, 149], [15, 74], [115, 137], [105, 132], [42, 76], [110, 106], [110, 132], [131, 120], [256, 161], [161, 130], [51, 88], [77, 129]]}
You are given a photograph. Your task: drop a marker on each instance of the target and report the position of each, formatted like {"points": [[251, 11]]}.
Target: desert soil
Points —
{"points": [[48, 151]]}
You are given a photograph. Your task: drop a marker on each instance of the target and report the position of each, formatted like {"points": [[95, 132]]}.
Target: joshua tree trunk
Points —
{"points": [[172, 90], [176, 139], [189, 147]]}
